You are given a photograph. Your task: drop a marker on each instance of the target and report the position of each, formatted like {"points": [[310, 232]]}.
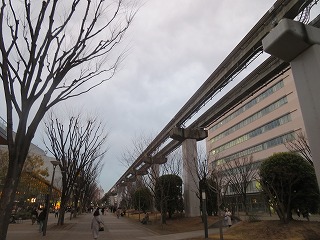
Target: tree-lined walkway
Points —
{"points": [[79, 229]]}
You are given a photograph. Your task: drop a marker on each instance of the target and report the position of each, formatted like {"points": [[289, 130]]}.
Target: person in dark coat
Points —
{"points": [[41, 219]]}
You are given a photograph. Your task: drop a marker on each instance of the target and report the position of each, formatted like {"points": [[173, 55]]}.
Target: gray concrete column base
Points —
{"points": [[306, 72], [190, 178]]}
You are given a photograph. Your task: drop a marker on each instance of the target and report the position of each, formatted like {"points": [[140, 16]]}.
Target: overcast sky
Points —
{"points": [[174, 46]]}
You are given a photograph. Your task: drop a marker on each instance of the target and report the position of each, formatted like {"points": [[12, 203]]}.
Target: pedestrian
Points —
{"points": [[306, 214], [56, 213], [145, 220], [96, 224], [118, 213], [102, 211], [41, 219], [34, 216], [227, 217], [72, 213]]}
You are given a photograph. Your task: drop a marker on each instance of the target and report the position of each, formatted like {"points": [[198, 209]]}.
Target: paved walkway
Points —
{"points": [[115, 229], [79, 229]]}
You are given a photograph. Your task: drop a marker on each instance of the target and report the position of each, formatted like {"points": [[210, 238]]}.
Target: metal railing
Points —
{"points": [[3, 126], [3, 123]]}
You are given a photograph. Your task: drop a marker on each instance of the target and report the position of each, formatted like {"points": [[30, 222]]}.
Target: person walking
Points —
{"points": [[118, 212], [96, 223], [227, 217], [102, 211], [41, 219]]}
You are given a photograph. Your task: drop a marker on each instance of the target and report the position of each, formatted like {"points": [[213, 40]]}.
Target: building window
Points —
{"points": [[258, 148], [272, 107], [258, 131], [250, 104]]}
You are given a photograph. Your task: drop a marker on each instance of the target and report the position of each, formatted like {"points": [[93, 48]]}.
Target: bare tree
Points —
{"points": [[172, 167], [173, 164], [147, 178], [51, 52], [240, 173], [300, 144], [87, 177], [94, 193], [138, 144], [76, 144], [218, 183], [90, 179]]}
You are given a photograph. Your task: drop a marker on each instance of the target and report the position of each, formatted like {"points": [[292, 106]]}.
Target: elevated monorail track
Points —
{"points": [[261, 76], [239, 58]]}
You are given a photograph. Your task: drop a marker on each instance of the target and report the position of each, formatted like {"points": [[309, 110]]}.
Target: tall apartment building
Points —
{"points": [[258, 127]]}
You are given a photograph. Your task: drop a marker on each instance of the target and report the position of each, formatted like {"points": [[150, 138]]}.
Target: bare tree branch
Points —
{"points": [[78, 145], [50, 52], [300, 144], [240, 173]]}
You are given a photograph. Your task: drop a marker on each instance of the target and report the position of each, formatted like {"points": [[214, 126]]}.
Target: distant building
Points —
{"points": [[35, 150], [258, 127]]}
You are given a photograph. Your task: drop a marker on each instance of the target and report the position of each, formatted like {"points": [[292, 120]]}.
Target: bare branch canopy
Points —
{"points": [[50, 51]]}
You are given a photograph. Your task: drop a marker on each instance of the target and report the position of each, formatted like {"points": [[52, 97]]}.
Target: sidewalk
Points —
{"points": [[115, 229], [79, 229]]}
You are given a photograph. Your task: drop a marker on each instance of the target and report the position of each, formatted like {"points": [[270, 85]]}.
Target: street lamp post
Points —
{"points": [[44, 229], [204, 212]]}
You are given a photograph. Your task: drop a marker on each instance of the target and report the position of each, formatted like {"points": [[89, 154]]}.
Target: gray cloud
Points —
{"points": [[173, 48]]}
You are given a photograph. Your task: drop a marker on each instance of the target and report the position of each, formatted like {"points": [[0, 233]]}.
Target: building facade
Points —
{"points": [[256, 129]]}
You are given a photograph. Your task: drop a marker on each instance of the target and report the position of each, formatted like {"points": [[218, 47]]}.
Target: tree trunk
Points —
{"points": [[163, 215], [63, 208], [281, 211], [245, 204], [76, 206], [7, 198], [61, 216], [18, 147], [163, 218]]}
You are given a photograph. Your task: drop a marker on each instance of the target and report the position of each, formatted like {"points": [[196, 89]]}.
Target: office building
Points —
{"points": [[257, 128]]}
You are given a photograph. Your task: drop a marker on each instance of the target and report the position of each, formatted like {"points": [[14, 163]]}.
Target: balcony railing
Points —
{"points": [[3, 127], [3, 123]]}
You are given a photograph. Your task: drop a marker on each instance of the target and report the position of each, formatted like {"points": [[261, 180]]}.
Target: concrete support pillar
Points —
{"points": [[299, 44], [190, 179], [190, 136], [120, 191], [139, 181], [128, 188], [155, 172], [306, 71]]}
